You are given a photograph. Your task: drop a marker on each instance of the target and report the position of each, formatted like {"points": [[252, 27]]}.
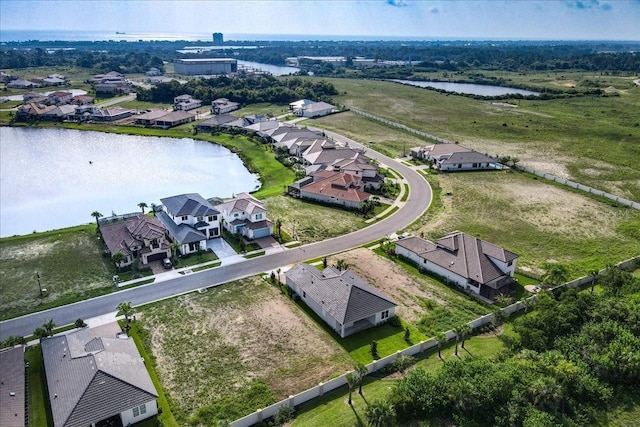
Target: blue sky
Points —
{"points": [[463, 19]]}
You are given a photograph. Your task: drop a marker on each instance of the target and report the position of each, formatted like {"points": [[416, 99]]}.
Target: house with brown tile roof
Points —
{"points": [[465, 261], [92, 379], [245, 215], [330, 187], [136, 237], [342, 299]]}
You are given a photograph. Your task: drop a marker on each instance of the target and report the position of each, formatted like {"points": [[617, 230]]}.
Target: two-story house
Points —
{"points": [[247, 216], [190, 221], [135, 236]]}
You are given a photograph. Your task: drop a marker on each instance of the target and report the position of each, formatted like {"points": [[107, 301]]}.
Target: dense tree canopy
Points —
{"points": [[577, 351]]}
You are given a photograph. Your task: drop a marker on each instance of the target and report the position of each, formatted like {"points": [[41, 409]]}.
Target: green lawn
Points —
{"points": [[69, 262], [332, 409], [39, 408]]}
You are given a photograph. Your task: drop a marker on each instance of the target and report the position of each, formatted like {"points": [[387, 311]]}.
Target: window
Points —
{"points": [[211, 218], [385, 315], [510, 263], [139, 410], [258, 216], [304, 294], [185, 217], [200, 217]]}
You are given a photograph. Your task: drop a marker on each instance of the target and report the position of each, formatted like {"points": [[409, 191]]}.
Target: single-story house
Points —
{"points": [[215, 122], [53, 81], [342, 299], [223, 105], [434, 151], [12, 387], [465, 261], [299, 105], [60, 112], [136, 237], [317, 109], [113, 87], [110, 114], [330, 187], [33, 110], [149, 118], [245, 215], [22, 84], [93, 378], [175, 118], [82, 99], [466, 162], [190, 221]]}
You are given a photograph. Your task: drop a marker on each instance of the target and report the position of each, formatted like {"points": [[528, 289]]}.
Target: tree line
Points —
{"points": [[247, 90], [577, 357]]}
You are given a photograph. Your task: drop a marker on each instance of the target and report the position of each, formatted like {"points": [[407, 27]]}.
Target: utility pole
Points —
{"points": [[39, 285]]}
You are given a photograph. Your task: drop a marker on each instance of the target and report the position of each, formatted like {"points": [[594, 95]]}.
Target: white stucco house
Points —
{"points": [[190, 221], [245, 215], [464, 261], [94, 379], [342, 299]]}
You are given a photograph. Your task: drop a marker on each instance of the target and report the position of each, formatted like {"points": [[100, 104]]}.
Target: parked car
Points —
{"points": [[166, 263]]}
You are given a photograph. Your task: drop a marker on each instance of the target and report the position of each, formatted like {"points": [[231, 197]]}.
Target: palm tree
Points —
{"points": [[118, 258], [153, 208], [96, 215], [380, 413], [142, 205], [125, 308], [594, 276], [458, 331], [341, 265], [48, 327], [556, 274], [465, 331], [441, 337], [39, 332], [279, 228], [352, 380], [361, 371], [79, 323]]}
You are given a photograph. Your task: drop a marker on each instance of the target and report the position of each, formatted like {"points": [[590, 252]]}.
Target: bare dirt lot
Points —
{"points": [[418, 296], [212, 346]]}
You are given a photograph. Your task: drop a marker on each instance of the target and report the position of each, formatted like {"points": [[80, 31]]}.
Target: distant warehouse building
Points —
{"points": [[193, 67]]}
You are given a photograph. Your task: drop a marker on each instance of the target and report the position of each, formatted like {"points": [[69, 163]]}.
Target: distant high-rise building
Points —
{"points": [[218, 38]]}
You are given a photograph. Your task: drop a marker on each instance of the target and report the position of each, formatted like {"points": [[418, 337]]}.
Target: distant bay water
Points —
{"points": [[60, 35]]}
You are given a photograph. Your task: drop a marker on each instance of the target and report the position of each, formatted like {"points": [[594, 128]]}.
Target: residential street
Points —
{"points": [[418, 202]]}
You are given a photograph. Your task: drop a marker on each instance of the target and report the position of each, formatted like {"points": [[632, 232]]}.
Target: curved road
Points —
{"points": [[419, 200]]}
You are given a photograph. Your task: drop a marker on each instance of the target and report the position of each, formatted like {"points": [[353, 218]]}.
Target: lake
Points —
{"points": [[470, 88], [275, 70], [54, 178]]}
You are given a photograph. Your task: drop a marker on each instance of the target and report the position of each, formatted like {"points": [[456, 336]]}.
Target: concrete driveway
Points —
{"points": [[220, 247]]}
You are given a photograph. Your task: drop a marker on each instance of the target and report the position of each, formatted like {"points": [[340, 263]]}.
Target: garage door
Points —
{"points": [[157, 257]]}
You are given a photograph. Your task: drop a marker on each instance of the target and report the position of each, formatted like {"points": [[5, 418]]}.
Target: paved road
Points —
{"points": [[418, 202]]}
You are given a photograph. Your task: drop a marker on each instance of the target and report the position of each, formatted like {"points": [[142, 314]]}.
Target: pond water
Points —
{"points": [[470, 88], [275, 70], [54, 178]]}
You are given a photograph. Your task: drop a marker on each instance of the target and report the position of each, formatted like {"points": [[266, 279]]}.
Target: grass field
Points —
{"points": [[216, 349], [332, 409], [39, 409], [69, 262], [539, 221], [314, 222], [595, 140]]}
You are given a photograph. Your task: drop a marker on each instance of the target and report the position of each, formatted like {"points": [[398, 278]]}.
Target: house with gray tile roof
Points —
{"points": [[465, 261], [190, 221], [93, 378], [466, 161], [245, 215], [12, 387], [343, 300]]}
